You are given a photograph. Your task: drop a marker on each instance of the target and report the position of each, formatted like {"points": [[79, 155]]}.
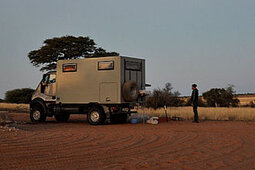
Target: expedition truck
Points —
{"points": [[102, 87]]}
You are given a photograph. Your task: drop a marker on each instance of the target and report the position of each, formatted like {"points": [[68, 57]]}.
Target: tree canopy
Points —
{"points": [[66, 47]]}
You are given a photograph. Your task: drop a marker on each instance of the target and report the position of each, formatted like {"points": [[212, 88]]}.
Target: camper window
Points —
{"points": [[105, 65], [131, 65], [72, 67]]}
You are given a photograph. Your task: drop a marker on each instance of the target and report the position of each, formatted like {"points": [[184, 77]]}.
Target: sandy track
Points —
{"points": [[176, 145]]}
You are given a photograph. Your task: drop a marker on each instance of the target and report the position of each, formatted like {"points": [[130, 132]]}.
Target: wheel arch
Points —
{"points": [[40, 102], [91, 105]]}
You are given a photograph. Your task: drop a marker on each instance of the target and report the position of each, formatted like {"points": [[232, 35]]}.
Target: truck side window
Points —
{"points": [[44, 82], [45, 78], [106, 65], [52, 78]]}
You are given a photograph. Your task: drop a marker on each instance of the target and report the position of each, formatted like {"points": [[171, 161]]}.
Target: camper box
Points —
{"points": [[97, 80]]}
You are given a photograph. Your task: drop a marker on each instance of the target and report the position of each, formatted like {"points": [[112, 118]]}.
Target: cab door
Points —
{"points": [[48, 85]]}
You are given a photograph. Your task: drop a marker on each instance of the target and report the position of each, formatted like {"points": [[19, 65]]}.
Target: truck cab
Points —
{"points": [[47, 87]]}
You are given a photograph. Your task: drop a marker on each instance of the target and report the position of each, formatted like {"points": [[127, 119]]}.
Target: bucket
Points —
{"points": [[134, 120]]}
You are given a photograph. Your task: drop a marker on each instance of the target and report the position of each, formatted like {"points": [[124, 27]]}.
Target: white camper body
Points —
{"points": [[97, 80]]}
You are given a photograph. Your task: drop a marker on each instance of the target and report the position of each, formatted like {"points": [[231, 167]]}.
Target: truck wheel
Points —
{"points": [[62, 117], [119, 118], [37, 114], [130, 91], [96, 116]]}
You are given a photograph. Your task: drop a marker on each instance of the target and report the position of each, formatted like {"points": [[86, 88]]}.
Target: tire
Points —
{"points": [[130, 91], [96, 116], [37, 113], [62, 117], [119, 118]]}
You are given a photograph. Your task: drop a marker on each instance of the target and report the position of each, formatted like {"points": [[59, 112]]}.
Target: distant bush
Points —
{"points": [[221, 97], [1, 100], [19, 95], [160, 97], [251, 104]]}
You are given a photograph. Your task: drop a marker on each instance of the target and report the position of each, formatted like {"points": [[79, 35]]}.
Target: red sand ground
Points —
{"points": [[173, 145]]}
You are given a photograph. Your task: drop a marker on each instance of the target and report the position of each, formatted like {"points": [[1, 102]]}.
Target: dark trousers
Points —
{"points": [[195, 112]]}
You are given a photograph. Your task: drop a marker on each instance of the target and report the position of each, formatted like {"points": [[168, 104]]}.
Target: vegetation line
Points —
{"points": [[206, 113]]}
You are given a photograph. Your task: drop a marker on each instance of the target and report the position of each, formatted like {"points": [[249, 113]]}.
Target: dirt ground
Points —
{"points": [[173, 145]]}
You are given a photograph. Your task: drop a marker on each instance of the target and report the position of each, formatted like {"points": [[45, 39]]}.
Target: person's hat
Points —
{"points": [[194, 85]]}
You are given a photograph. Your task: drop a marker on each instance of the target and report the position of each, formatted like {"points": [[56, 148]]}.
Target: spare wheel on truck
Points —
{"points": [[130, 91]]}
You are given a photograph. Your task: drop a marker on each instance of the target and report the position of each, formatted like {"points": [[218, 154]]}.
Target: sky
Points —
{"points": [[207, 42]]}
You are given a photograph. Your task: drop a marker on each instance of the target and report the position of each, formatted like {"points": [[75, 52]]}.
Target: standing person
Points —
{"points": [[194, 100]]}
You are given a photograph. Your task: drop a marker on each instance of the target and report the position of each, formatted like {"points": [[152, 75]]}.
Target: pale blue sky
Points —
{"points": [[207, 42]]}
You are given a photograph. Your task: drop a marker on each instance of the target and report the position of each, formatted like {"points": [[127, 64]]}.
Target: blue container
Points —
{"points": [[134, 120]]}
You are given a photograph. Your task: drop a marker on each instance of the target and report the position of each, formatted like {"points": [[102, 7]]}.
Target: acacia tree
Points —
{"points": [[66, 47]]}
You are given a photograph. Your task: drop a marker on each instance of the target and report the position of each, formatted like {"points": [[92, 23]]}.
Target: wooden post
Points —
{"points": [[166, 113]]}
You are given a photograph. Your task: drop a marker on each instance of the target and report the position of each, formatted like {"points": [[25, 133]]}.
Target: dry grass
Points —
{"points": [[206, 113], [246, 99], [14, 107]]}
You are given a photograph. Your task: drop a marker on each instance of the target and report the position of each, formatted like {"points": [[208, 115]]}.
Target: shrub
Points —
{"points": [[252, 104], [19, 95], [165, 96], [221, 97]]}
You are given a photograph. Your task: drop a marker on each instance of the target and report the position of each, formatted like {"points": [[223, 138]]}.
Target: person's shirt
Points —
{"points": [[194, 96]]}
